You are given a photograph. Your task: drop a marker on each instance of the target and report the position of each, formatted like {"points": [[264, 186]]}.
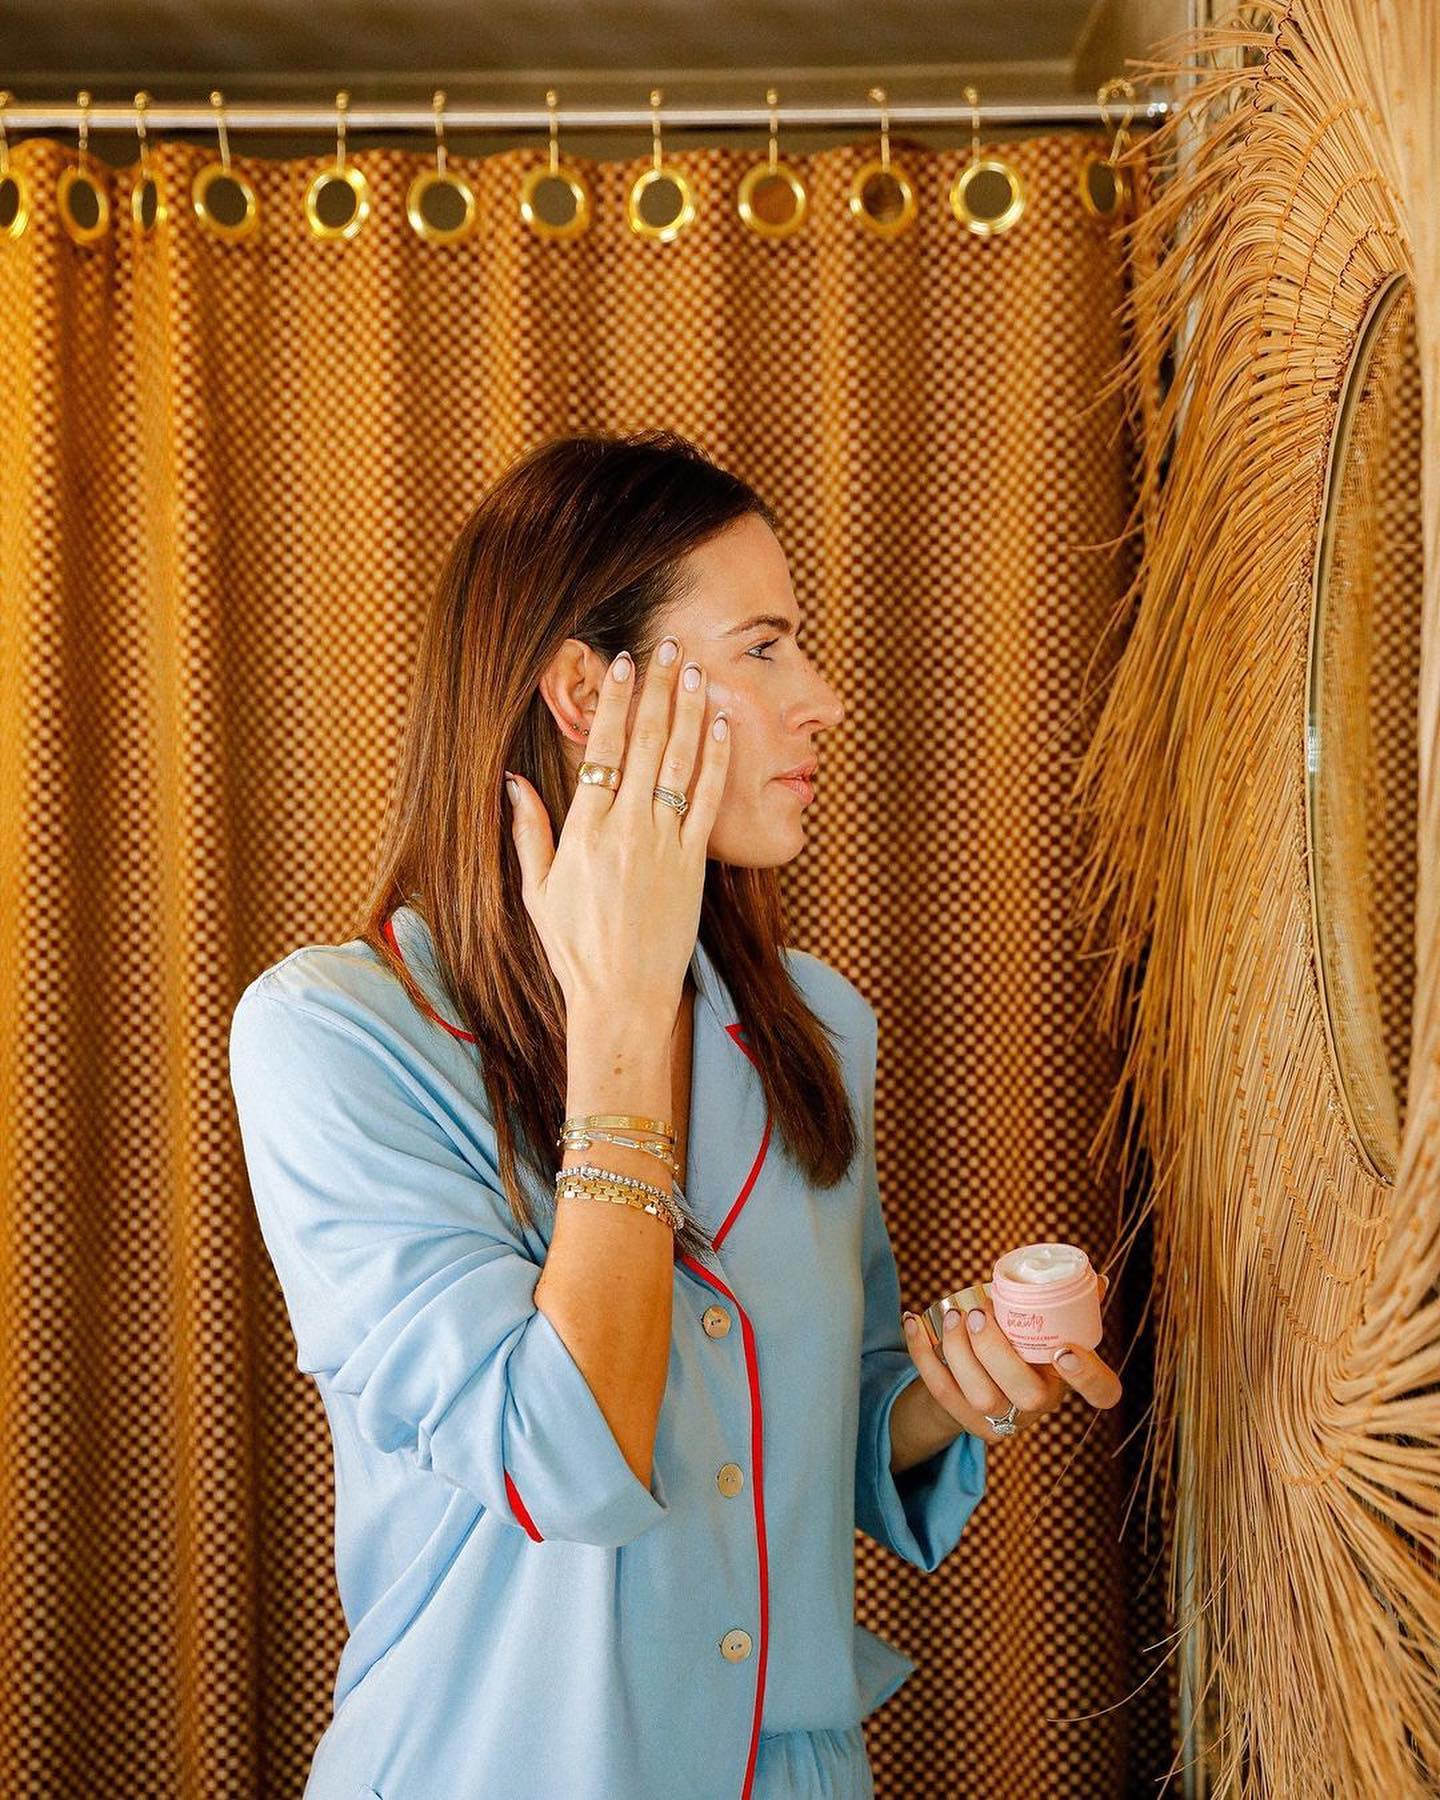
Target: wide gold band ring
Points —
{"points": [[599, 774]]}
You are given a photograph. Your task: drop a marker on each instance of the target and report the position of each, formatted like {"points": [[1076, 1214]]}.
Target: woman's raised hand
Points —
{"points": [[617, 902]]}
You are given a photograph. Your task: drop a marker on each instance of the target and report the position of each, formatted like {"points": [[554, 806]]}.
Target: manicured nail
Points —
{"points": [[668, 651], [975, 1318], [909, 1324], [721, 725], [952, 1318], [512, 788], [692, 676], [1067, 1359], [621, 667]]}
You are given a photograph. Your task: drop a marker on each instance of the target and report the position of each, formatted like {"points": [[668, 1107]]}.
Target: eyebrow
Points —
{"points": [[771, 622]]}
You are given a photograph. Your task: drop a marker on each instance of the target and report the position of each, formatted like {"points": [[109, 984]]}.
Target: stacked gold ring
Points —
{"points": [[607, 775]]}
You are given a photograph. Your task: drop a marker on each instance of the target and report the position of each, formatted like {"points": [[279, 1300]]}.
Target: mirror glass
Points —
{"points": [[1362, 726]]}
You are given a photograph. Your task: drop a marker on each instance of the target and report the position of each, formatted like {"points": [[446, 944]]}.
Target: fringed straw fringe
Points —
{"points": [[1296, 1318]]}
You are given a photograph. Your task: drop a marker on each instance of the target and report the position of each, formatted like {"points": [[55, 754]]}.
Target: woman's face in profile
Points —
{"points": [[738, 620]]}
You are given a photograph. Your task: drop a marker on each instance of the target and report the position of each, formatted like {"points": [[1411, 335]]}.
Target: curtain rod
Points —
{"points": [[251, 116]]}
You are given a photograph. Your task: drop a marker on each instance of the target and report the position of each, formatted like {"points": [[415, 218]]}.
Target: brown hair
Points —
{"points": [[583, 537]]}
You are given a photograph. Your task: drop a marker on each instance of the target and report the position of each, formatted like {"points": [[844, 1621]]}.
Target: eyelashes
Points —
{"points": [[768, 644]]}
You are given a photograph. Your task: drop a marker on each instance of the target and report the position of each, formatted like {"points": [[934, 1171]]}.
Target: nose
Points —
{"points": [[820, 708]]}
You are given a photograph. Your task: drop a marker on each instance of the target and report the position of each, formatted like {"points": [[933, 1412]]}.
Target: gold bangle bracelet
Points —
{"points": [[661, 1127]]}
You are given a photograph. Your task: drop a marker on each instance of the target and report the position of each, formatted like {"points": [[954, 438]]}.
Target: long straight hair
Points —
{"points": [[583, 537]]}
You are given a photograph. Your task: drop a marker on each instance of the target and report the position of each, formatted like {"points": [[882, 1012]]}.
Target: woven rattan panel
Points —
{"points": [[230, 473]]}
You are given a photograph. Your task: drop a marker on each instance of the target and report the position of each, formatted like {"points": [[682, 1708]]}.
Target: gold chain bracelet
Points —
{"points": [[588, 1183]]}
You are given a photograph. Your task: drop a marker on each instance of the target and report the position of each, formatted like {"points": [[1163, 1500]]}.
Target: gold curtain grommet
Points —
{"points": [[772, 199], [16, 201], [454, 215], [337, 198], [1106, 188], [321, 194], [441, 207], [881, 198], [148, 210], [987, 196], [84, 204], [659, 175], [237, 215], [555, 200], [16, 204]]}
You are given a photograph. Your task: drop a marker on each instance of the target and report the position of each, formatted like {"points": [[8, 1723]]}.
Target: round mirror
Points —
{"points": [[1362, 733]]}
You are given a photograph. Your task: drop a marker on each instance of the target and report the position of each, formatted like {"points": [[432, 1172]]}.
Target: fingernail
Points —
{"points": [[909, 1324], [668, 651], [975, 1319], [691, 676], [512, 788], [952, 1318], [621, 667], [1067, 1359], [721, 725]]}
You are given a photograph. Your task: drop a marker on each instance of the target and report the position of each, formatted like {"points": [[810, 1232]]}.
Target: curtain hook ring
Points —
{"points": [[655, 99], [342, 102], [973, 96], [772, 100], [552, 101], [142, 100], [877, 94], [438, 102], [217, 100]]}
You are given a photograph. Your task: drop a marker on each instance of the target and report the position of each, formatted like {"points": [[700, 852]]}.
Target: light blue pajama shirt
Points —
{"points": [[525, 1617]]}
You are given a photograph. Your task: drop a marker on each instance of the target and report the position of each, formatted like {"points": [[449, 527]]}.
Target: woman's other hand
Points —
{"points": [[983, 1373]]}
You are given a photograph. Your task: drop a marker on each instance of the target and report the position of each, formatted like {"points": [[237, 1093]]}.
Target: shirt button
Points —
{"points": [[730, 1478], [716, 1321], [735, 1645]]}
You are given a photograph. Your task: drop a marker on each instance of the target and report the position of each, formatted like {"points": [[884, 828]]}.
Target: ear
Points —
{"points": [[567, 687]]}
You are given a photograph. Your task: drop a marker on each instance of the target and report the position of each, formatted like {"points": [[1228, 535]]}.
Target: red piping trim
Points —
{"points": [[518, 1507], [757, 1458], [469, 1036], [735, 1032]]}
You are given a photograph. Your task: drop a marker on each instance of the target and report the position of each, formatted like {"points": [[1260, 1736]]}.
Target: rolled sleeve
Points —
{"points": [[408, 1283], [921, 1512]]}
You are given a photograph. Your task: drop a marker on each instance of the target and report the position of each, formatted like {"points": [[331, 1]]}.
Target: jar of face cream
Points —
{"points": [[1045, 1295]]}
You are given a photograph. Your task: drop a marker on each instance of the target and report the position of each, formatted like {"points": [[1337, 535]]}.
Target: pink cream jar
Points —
{"points": [[1044, 1295]]}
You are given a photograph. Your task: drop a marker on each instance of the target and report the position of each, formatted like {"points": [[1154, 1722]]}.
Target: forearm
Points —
{"points": [[608, 1278], [919, 1426]]}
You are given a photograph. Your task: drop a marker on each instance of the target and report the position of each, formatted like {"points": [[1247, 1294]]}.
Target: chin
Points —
{"points": [[754, 849]]}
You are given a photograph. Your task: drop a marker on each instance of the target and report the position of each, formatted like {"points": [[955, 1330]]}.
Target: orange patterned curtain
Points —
{"points": [[230, 472]]}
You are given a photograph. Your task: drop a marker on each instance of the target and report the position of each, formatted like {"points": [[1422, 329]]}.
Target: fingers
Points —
{"points": [[984, 1361], [965, 1403], [677, 765], [605, 741], [650, 731], [530, 828], [709, 784], [1093, 1379]]}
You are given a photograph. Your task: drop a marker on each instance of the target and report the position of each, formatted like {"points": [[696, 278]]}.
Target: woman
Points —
{"points": [[599, 1466]]}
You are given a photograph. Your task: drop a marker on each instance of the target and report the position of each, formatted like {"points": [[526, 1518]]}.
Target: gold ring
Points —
{"points": [[600, 774]]}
